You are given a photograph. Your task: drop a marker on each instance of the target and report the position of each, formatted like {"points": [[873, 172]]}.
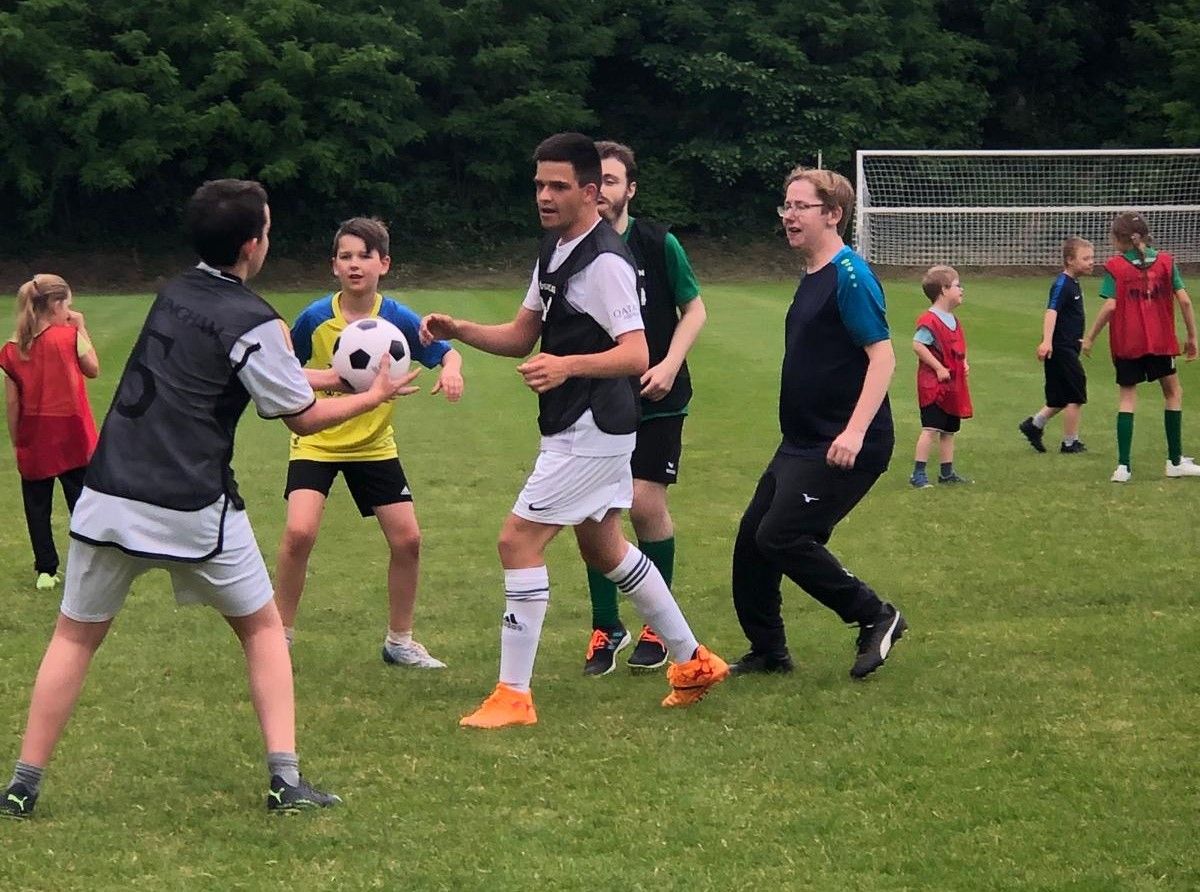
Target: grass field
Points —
{"points": [[1034, 730]]}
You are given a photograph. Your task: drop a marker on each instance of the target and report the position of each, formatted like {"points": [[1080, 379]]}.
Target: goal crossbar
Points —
{"points": [[1012, 207]]}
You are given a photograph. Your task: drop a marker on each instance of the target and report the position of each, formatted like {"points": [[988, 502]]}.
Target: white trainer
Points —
{"points": [[1121, 474], [1185, 468], [415, 655]]}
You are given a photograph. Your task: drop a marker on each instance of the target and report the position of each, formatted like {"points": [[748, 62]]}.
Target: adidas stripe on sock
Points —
{"points": [[643, 584], [526, 597]]}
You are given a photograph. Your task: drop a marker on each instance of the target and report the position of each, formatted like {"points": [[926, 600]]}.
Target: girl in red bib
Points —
{"points": [[1140, 289], [942, 390], [49, 418]]}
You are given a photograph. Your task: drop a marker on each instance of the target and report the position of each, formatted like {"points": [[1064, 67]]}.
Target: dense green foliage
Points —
{"points": [[426, 112]]}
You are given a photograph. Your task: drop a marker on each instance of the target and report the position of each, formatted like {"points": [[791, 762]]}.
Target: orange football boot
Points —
{"points": [[503, 707], [690, 681]]}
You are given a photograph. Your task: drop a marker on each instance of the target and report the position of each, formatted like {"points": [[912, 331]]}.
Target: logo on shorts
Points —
{"points": [[533, 507], [808, 498], [510, 622]]}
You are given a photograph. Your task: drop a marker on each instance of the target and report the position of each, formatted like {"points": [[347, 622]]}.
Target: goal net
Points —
{"points": [[1014, 208]]}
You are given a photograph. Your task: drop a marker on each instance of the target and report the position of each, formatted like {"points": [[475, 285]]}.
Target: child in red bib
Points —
{"points": [[942, 391], [49, 418], [1140, 289]]}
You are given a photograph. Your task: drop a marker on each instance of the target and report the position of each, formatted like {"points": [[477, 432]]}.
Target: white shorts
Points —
{"points": [[565, 490], [235, 581]]}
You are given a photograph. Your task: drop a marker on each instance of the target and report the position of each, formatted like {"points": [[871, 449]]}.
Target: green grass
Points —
{"points": [[1034, 730]]}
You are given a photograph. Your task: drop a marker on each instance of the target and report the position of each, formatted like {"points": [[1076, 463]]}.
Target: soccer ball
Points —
{"points": [[360, 347]]}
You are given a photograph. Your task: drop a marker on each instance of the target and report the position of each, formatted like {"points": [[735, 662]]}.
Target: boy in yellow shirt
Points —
{"points": [[362, 449]]}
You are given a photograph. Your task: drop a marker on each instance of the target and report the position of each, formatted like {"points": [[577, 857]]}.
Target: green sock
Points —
{"points": [[1173, 422], [604, 600], [662, 555], [1124, 437]]}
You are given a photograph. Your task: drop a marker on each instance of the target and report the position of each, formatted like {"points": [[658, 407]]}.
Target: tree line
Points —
{"points": [[425, 113]]}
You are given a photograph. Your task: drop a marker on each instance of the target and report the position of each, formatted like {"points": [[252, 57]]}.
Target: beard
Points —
{"points": [[614, 210]]}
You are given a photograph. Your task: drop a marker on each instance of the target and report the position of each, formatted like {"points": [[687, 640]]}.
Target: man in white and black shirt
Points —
{"points": [[160, 491], [583, 304]]}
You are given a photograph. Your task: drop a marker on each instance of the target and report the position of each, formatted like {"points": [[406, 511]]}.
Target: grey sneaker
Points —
{"points": [[412, 654], [283, 797], [954, 478]]}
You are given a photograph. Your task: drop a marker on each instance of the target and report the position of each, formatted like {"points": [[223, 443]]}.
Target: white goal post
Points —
{"points": [[1014, 208]]}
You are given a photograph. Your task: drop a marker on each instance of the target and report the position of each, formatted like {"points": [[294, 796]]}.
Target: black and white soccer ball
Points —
{"points": [[361, 346]]}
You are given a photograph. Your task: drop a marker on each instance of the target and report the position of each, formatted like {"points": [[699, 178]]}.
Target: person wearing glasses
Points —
{"points": [[837, 438]]}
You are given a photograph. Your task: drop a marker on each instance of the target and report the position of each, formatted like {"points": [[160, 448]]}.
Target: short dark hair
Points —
{"points": [[222, 215], [577, 150], [609, 149], [370, 229]]}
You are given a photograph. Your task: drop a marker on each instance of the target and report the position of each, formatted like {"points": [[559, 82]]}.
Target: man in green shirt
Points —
{"points": [[673, 313]]}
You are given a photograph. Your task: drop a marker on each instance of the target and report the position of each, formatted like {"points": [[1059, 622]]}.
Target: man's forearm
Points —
{"points": [[686, 331], [501, 340], [621, 361]]}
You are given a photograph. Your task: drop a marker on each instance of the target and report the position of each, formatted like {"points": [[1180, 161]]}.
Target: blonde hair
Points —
{"points": [[1072, 246], [833, 189], [936, 280], [1130, 230], [35, 301]]}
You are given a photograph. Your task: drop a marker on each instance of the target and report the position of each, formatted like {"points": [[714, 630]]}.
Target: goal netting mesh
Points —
{"points": [[1010, 208]]}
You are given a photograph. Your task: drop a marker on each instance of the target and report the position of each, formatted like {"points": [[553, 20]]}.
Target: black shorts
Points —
{"points": [[659, 445], [1066, 381], [371, 483], [935, 418], [1144, 368]]}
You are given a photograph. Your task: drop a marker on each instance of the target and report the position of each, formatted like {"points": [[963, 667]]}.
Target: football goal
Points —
{"points": [[1014, 208]]}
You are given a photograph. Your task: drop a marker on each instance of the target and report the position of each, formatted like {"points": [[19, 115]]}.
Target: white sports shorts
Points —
{"points": [[235, 581], [565, 490]]}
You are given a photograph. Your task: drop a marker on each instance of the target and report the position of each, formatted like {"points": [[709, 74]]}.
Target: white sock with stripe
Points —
{"points": [[526, 597], [641, 581]]}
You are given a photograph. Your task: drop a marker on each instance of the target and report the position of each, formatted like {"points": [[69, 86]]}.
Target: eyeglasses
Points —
{"points": [[796, 206]]}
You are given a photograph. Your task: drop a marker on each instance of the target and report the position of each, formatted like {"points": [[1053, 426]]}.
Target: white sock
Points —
{"points": [[640, 580], [1039, 422], [526, 597], [1068, 441], [399, 639]]}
